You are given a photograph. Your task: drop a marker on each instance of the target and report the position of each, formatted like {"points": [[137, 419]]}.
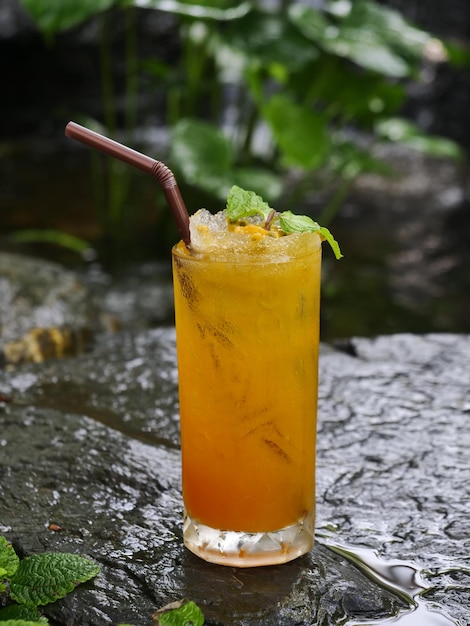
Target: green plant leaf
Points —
{"points": [[22, 612], [52, 16], [301, 133], [389, 26], [199, 147], [268, 39], [374, 37], [348, 160], [21, 622], [242, 203], [47, 235], [348, 96], [182, 613], [203, 155], [9, 560], [220, 10], [407, 133], [262, 181], [44, 578], [291, 223]]}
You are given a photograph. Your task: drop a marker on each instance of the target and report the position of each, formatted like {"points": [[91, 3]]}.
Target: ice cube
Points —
{"points": [[204, 227]]}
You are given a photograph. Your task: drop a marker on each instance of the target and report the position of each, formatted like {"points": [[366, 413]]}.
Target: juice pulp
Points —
{"points": [[247, 342]]}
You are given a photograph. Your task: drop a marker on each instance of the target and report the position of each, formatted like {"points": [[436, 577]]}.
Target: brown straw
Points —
{"points": [[157, 169]]}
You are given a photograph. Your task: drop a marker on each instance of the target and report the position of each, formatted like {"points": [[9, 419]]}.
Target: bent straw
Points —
{"points": [[142, 162]]}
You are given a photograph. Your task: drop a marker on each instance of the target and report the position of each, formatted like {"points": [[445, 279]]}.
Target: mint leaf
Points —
{"points": [[242, 203], [181, 613], [291, 223], [44, 578], [9, 560], [21, 622], [332, 241], [20, 612]]}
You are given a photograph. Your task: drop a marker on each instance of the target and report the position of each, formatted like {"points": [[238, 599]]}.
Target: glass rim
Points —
{"points": [[244, 257]]}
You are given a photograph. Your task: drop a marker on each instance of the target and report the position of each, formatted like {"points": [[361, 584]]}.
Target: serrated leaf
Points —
{"points": [[44, 578], [242, 204], [291, 223], [181, 613], [21, 622], [9, 560], [21, 612]]}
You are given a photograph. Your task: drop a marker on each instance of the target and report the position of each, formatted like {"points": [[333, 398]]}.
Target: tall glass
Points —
{"points": [[247, 328]]}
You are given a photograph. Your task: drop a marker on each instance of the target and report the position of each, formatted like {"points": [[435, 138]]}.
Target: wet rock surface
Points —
{"points": [[45, 310], [91, 445]]}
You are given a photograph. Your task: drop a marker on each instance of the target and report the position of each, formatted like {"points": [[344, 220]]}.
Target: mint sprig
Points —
{"points": [[242, 204]]}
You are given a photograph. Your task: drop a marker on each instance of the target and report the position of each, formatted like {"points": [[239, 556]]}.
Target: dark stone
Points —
{"points": [[90, 444], [45, 310]]}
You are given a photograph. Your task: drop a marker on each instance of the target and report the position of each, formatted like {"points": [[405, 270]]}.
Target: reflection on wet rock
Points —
{"points": [[91, 445]]}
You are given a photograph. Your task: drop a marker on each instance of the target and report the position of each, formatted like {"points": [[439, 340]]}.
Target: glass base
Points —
{"points": [[242, 549]]}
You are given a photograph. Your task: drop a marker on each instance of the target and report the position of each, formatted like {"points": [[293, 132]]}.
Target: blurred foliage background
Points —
{"points": [[279, 97], [297, 100]]}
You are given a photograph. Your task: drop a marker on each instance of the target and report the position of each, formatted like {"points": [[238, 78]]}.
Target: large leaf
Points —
{"points": [[201, 152], [300, 133], [267, 39], [205, 157], [409, 134], [52, 16], [348, 95], [375, 38], [220, 10], [388, 25], [263, 182]]}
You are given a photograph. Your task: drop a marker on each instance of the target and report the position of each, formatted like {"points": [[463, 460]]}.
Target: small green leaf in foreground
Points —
{"points": [[47, 577], [9, 560], [181, 613], [21, 622], [19, 612]]}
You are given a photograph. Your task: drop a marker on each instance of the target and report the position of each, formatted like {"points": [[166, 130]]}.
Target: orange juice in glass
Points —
{"points": [[247, 328]]}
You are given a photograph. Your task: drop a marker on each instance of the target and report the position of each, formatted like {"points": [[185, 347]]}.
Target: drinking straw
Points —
{"points": [[142, 162]]}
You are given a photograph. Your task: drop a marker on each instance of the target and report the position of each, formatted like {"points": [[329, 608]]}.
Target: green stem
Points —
{"points": [[116, 175], [132, 77], [107, 86], [195, 63], [335, 202]]}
